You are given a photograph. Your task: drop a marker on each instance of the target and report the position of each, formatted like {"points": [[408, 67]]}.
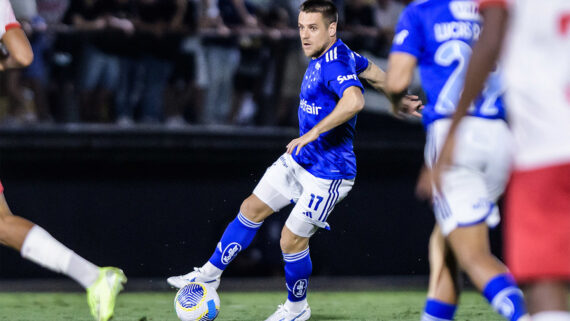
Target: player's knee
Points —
{"points": [[254, 209], [6, 222], [292, 243]]}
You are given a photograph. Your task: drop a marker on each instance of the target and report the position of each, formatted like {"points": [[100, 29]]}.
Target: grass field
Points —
{"points": [[247, 306]]}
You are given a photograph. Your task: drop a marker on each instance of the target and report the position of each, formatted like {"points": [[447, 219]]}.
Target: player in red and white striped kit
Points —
{"points": [[536, 61], [32, 241]]}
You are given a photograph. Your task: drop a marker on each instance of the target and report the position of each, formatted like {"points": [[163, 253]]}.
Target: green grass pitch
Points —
{"points": [[247, 306]]}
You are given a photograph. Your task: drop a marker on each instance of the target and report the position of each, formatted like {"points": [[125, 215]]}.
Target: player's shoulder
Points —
{"points": [[419, 6], [339, 52]]}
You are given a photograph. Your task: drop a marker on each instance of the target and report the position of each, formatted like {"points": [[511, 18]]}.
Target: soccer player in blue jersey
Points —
{"points": [[319, 167], [437, 36]]}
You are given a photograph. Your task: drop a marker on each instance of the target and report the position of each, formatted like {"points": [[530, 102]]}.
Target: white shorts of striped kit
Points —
{"points": [[286, 182]]}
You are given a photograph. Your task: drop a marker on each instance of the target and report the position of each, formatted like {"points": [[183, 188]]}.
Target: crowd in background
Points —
{"points": [[173, 61]]}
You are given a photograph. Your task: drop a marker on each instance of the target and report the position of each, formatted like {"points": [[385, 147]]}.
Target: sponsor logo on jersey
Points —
{"points": [[401, 37], [456, 30], [342, 79], [310, 109], [300, 288], [230, 252], [464, 10]]}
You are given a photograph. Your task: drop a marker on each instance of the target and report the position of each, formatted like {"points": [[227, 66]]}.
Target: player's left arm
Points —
{"points": [[19, 49], [350, 104]]}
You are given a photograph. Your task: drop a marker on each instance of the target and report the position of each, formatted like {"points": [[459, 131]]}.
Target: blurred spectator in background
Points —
{"points": [[99, 65], [154, 22], [58, 84], [251, 72], [188, 84], [25, 89], [222, 54], [386, 14], [359, 23], [129, 88]]}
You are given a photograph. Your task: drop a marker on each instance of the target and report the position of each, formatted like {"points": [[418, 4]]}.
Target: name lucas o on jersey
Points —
{"points": [[310, 109], [456, 30]]}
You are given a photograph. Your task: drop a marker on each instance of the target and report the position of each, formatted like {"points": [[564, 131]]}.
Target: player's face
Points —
{"points": [[316, 35]]}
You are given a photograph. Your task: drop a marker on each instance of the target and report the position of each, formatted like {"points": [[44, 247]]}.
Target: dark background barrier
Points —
{"points": [[155, 201]]}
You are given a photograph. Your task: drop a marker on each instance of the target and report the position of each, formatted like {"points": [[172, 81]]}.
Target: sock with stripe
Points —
{"points": [[438, 311], [43, 249], [505, 297], [298, 269], [236, 238]]}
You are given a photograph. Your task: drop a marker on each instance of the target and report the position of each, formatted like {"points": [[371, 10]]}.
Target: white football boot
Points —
{"points": [[194, 276], [283, 315]]}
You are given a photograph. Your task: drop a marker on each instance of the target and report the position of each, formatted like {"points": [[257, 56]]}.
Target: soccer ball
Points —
{"points": [[197, 302]]}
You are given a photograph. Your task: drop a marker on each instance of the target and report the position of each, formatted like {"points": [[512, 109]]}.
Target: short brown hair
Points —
{"points": [[325, 7]]}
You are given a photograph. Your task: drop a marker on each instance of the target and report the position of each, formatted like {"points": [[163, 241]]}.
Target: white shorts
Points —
{"points": [[287, 182], [480, 170]]}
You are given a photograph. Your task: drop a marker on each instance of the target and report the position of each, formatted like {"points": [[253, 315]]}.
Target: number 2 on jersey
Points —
{"points": [[456, 51]]}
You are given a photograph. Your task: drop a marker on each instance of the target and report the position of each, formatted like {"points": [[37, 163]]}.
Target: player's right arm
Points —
{"points": [[406, 48], [350, 104], [401, 71], [14, 39]]}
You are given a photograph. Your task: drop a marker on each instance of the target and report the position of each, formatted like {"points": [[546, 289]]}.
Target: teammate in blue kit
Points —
{"points": [[319, 167], [437, 35]]}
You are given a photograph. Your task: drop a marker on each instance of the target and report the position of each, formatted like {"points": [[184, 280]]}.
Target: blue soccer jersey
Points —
{"points": [[440, 34], [331, 156]]}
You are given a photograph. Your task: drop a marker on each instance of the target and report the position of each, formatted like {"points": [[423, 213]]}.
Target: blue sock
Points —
{"points": [[505, 297], [298, 268], [438, 311], [236, 238]]}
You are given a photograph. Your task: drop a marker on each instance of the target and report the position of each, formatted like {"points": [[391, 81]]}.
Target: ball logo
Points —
{"points": [[230, 252], [300, 288]]}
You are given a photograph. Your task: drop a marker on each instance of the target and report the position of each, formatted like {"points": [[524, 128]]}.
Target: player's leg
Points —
{"points": [[443, 289], [38, 246], [238, 234], [548, 299], [538, 241], [267, 198], [298, 269], [237, 237], [472, 249], [309, 214]]}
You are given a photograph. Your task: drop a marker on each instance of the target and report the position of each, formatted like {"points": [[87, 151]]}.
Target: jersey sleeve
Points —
{"points": [[408, 34], [340, 75], [361, 63], [493, 3], [7, 19]]}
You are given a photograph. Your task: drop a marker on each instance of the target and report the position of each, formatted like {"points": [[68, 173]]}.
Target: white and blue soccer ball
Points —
{"points": [[197, 302]]}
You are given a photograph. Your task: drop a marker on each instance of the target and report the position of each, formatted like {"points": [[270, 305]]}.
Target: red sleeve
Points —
{"points": [[12, 25], [490, 3]]}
